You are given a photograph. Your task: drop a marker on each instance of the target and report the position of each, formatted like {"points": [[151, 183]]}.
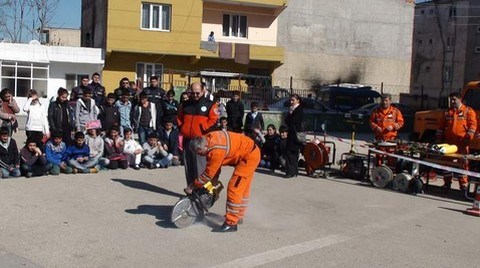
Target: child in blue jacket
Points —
{"points": [[55, 152], [78, 156]]}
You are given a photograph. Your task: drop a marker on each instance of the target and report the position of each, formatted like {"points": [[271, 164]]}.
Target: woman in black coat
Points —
{"points": [[294, 121]]}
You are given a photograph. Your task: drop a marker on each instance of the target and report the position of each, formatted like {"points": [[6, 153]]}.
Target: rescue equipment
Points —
{"points": [[381, 176], [194, 206]]}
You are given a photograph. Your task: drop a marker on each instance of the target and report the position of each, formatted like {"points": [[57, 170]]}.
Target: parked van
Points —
{"points": [[347, 97]]}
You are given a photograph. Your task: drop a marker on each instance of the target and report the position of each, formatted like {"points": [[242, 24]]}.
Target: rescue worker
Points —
{"points": [[196, 117], [457, 126], [223, 148], [386, 120]]}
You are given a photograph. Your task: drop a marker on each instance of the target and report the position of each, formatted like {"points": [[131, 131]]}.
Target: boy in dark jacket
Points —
{"points": [[60, 116], [78, 156], [55, 152], [33, 161], [9, 158], [253, 119], [109, 114], [169, 136]]}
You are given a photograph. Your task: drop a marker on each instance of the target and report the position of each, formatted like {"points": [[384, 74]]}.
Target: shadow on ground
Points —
{"points": [[140, 185]]}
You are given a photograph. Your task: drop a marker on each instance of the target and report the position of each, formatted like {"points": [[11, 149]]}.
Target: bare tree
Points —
{"points": [[45, 11], [13, 14], [20, 18]]}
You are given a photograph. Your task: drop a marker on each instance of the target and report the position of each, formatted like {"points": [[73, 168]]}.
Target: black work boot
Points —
{"points": [[225, 228]]}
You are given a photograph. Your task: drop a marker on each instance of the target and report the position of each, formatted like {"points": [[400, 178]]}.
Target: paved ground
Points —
{"points": [[121, 219]]}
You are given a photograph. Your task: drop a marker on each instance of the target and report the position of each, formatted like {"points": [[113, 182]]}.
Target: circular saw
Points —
{"points": [[193, 207]]}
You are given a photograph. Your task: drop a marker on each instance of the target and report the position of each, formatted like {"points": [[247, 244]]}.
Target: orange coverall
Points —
{"points": [[232, 149], [458, 127], [382, 118]]}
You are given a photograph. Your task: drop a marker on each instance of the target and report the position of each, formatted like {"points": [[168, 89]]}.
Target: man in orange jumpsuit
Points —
{"points": [[457, 126], [223, 148], [386, 120]]}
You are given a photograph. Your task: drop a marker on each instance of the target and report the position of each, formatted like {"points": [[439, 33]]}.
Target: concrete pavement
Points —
{"points": [[121, 219]]}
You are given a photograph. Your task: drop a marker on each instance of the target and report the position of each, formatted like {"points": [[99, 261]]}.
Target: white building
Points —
{"points": [[45, 68]]}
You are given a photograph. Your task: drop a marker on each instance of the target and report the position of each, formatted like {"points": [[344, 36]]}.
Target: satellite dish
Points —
{"points": [[6, 40], [34, 42]]}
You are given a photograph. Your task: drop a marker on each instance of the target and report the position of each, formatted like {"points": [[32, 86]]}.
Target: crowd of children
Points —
{"points": [[90, 131]]}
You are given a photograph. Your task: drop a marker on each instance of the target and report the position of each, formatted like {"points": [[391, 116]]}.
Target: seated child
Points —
{"points": [[132, 149], [169, 137], [78, 156], [55, 151], [9, 158], [155, 155], [114, 149], [96, 145], [33, 161], [270, 148]]}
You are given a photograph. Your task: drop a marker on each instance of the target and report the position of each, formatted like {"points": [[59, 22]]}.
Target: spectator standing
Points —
{"points": [[9, 108], [155, 94], [114, 145], [37, 121], [294, 121], [60, 116], [55, 152], [109, 114], [196, 116], [77, 92], [33, 161], [235, 111], [124, 106], [145, 118], [123, 85], [98, 90], [169, 109], [86, 110], [132, 150], [253, 119], [9, 157]]}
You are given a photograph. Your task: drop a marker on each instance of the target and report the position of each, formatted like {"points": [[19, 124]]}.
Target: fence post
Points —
{"points": [[291, 84]]}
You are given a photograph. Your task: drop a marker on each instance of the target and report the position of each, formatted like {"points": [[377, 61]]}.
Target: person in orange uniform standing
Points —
{"points": [[457, 126], [225, 148], [195, 118], [386, 120]]}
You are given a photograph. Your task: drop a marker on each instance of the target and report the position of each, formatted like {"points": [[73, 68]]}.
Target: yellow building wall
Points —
{"points": [[125, 33]]}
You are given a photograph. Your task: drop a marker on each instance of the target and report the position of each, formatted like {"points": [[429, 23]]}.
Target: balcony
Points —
{"points": [[256, 52], [277, 5]]}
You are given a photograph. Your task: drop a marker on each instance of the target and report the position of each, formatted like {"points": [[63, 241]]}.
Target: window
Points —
{"points": [[235, 25], [422, 11], [73, 80], [420, 41], [452, 12], [477, 49], [430, 41], [450, 43], [146, 70], [427, 69], [156, 17], [448, 74], [23, 76], [478, 29]]}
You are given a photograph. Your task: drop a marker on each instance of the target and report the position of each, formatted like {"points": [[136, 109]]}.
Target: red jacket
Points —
{"points": [[195, 118], [382, 118], [457, 124]]}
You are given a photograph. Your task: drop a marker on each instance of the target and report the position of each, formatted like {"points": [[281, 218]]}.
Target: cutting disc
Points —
{"points": [[381, 176], [401, 181], [184, 213]]}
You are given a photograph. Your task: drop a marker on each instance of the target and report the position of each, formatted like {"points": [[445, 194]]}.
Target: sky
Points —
{"points": [[67, 14]]}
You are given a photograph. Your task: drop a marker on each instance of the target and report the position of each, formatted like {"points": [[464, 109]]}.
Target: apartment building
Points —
{"points": [[446, 49], [169, 38]]}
